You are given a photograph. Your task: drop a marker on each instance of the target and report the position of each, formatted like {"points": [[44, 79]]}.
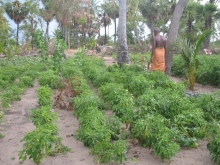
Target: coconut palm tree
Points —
{"points": [[123, 56], [17, 12], [105, 21], [173, 31], [111, 8]]}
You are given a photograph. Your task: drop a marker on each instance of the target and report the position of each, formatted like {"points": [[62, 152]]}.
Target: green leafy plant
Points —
{"points": [[42, 46], [39, 142], [152, 132], [42, 116], [51, 79], [108, 152], [93, 128], [9, 51], [214, 143], [114, 124], [26, 81], [191, 126], [44, 96], [189, 53], [58, 54]]}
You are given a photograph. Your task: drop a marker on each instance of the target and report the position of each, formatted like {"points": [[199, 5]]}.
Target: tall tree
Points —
{"points": [[29, 24], [4, 27], [134, 18], [47, 13], [210, 13], [123, 56], [105, 21], [191, 21], [156, 12], [173, 32], [17, 12], [111, 8]]}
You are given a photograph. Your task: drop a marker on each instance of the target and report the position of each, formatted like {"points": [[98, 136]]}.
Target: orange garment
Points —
{"points": [[158, 59]]}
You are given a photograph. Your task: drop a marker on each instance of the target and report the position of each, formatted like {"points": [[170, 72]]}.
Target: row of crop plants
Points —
{"points": [[44, 139], [15, 76], [96, 131], [159, 113]]}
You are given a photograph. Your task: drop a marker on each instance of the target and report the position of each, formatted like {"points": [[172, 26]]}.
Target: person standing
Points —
{"points": [[158, 51]]}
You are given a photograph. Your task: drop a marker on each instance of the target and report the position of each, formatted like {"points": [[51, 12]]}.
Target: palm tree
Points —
{"points": [[210, 13], [111, 8], [4, 27], [105, 21], [157, 11], [189, 53], [123, 56], [17, 12], [173, 31]]}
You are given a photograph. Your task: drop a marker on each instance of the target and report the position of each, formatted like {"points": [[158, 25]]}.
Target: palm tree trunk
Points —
{"points": [[17, 34], [68, 33], [47, 31], [123, 56], [173, 31], [115, 30], [137, 35]]}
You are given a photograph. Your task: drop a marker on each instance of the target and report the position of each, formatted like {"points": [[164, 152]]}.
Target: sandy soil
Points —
{"points": [[16, 124]]}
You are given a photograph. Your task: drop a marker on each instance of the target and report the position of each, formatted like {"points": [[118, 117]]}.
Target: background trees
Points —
{"points": [[80, 21], [4, 28], [17, 12]]}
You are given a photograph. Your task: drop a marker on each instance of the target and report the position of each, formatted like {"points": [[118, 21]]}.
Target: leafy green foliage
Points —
{"points": [[110, 152], [49, 78], [114, 124], [85, 101], [10, 51], [58, 54], [94, 130], [191, 125], [42, 46], [120, 99], [210, 105], [189, 53], [214, 147], [152, 131], [39, 142], [163, 102], [139, 84], [44, 96], [42, 116], [11, 94], [26, 81]]}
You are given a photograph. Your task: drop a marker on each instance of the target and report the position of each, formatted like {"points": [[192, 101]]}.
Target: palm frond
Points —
{"points": [[200, 40]]}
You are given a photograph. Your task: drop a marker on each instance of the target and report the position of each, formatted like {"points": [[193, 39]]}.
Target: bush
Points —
{"points": [[42, 116], [44, 96], [49, 78], [107, 152]]}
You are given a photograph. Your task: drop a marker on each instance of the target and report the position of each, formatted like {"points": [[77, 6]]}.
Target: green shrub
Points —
{"points": [[108, 152], [86, 101], [49, 78], [39, 142], [191, 125], [214, 148], [42, 116], [210, 105], [44, 96], [152, 132], [27, 81]]}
